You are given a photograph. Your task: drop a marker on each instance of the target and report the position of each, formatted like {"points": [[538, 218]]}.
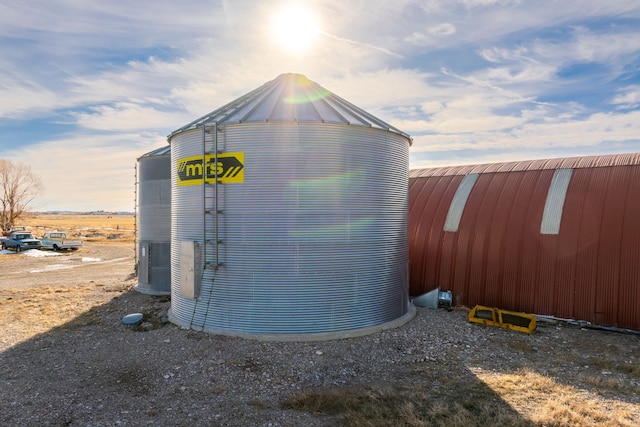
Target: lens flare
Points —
{"points": [[306, 94], [295, 28]]}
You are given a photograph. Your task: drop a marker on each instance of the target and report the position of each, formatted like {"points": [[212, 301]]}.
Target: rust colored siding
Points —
{"points": [[589, 270], [629, 296], [430, 211]]}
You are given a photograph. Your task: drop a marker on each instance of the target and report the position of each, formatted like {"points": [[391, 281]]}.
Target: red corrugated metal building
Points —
{"points": [[558, 237]]}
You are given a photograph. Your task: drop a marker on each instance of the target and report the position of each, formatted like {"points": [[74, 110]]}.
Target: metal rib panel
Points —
{"points": [[628, 302], [588, 184], [609, 256], [429, 204], [568, 303], [485, 272], [315, 238]]}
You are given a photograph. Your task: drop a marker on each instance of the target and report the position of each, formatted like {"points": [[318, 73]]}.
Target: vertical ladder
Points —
{"points": [[210, 197], [135, 222], [210, 234]]}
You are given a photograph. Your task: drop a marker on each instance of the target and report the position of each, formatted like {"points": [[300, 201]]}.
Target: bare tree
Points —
{"points": [[18, 187]]}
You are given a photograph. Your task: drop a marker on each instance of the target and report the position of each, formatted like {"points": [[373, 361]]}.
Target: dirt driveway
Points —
{"points": [[101, 262], [44, 289]]}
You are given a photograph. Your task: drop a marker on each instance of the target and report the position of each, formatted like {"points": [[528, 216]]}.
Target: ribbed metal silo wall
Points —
{"points": [[314, 239], [154, 222]]}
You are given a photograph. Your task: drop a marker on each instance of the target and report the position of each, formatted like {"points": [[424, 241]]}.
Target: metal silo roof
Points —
{"points": [[291, 98], [157, 152]]}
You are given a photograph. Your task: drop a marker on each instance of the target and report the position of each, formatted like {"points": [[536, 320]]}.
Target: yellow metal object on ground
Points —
{"points": [[490, 316]]}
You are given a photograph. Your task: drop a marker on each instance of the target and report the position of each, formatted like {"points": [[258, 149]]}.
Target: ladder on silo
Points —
{"points": [[210, 197], [210, 227]]}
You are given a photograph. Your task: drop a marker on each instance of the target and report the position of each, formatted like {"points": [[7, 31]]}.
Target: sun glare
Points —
{"points": [[295, 28]]}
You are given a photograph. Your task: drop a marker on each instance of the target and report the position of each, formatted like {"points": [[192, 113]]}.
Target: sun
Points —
{"points": [[295, 28]]}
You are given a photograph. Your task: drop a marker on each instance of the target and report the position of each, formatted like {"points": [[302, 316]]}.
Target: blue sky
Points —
{"points": [[87, 87]]}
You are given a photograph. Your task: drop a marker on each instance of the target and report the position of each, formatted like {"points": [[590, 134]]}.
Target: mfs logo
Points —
{"points": [[229, 169]]}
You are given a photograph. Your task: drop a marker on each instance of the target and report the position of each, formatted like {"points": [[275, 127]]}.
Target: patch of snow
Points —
{"points": [[86, 259], [37, 253]]}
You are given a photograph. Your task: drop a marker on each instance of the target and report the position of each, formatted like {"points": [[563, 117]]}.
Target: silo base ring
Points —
{"points": [[323, 336]]}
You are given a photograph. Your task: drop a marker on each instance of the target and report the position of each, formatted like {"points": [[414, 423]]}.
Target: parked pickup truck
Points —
{"points": [[57, 240], [20, 241], [14, 229]]}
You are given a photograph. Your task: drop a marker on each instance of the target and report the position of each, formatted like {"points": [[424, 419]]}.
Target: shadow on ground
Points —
{"points": [[94, 371]]}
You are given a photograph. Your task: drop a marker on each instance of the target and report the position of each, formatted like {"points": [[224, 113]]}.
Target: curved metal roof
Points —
{"points": [[290, 98], [531, 165], [557, 237]]}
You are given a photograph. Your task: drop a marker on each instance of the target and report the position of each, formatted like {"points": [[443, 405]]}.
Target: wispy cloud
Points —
{"points": [[594, 130], [467, 79], [627, 97]]}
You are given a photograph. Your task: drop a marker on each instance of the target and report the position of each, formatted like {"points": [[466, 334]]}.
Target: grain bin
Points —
{"points": [[154, 222], [304, 236]]}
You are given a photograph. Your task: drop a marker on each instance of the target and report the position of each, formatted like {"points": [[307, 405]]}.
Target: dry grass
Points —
{"points": [[546, 401], [465, 404], [575, 388], [103, 228], [28, 312], [523, 398], [33, 313]]}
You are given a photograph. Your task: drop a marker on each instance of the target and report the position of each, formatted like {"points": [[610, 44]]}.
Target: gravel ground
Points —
{"points": [[94, 371]]}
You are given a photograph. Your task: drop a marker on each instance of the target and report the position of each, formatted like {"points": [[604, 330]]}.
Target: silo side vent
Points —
{"points": [[521, 322], [433, 299]]}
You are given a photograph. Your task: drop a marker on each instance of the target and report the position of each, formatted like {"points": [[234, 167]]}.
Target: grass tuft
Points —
{"points": [[412, 407]]}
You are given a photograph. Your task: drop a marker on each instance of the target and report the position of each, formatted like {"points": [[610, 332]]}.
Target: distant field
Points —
{"points": [[116, 228]]}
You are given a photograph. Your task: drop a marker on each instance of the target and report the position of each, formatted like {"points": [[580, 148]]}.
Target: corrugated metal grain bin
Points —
{"points": [[304, 236], [154, 222], [557, 237]]}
